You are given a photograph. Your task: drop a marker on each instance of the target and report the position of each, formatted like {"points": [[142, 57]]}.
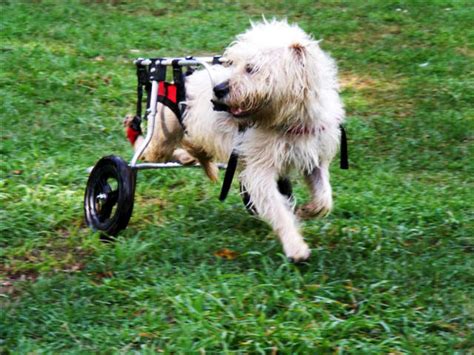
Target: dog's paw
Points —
{"points": [[297, 252], [183, 157], [313, 209]]}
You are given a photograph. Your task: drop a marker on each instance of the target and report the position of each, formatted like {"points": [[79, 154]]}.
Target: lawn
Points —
{"points": [[392, 269]]}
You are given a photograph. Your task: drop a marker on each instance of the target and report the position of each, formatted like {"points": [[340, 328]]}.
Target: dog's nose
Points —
{"points": [[221, 89]]}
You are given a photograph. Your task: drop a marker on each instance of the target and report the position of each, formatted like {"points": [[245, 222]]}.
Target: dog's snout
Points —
{"points": [[221, 90]]}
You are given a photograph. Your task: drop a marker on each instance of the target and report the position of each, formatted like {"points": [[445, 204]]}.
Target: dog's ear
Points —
{"points": [[298, 67], [299, 51]]}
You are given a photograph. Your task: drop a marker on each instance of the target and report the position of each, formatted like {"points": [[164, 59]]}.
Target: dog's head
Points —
{"points": [[272, 73]]}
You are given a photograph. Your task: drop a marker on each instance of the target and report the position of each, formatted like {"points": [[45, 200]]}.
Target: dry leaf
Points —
{"points": [[226, 254]]}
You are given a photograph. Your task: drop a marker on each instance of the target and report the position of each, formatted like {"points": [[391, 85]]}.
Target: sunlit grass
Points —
{"points": [[392, 267]]}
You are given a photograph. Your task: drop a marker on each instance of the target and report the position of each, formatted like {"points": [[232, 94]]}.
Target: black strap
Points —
{"points": [[142, 80], [229, 175], [178, 79], [136, 124], [344, 150], [139, 101], [160, 72], [173, 107], [230, 170]]}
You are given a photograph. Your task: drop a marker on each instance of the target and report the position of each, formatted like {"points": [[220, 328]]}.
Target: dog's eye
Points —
{"points": [[249, 69]]}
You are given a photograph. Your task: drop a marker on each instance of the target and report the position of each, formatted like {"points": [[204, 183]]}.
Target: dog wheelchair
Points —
{"points": [[110, 189]]}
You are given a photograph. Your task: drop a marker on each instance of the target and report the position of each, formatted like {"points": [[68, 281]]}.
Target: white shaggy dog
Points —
{"points": [[284, 89]]}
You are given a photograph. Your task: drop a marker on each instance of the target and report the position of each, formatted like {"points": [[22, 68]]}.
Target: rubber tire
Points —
{"points": [[116, 168], [284, 186]]}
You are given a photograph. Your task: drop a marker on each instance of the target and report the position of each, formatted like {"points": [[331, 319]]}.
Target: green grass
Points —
{"points": [[392, 268]]}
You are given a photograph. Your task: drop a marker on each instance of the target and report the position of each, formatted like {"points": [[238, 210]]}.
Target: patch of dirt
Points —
{"points": [[379, 93], [155, 201], [468, 52], [9, 290], [60, 254], [370, 35], [356, 82]]}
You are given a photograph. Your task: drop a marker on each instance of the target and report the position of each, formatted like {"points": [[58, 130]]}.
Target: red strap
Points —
{"points": [[300, 131], [132, 135], [170, 91]]}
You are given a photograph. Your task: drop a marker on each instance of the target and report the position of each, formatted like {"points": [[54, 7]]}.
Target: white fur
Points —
{"points": [[285, 83]]}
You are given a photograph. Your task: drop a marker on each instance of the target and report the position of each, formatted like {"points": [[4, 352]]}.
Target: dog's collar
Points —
{"points": [[299, 130]]}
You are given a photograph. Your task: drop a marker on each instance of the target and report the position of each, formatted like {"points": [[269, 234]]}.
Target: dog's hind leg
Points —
{"points": [[204, 158], [276, 209], [183, 157], [321, 193], [167, 136]]}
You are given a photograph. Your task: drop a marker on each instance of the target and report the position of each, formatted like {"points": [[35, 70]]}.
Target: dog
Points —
{"points": [[280, 110]]}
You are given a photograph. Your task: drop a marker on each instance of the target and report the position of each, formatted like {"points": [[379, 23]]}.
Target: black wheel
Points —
{"points": [[108, 200], [284, 186]]}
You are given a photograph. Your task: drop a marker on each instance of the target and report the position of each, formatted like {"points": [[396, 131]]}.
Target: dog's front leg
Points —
{"points": [[321, 193], [274, 208]]}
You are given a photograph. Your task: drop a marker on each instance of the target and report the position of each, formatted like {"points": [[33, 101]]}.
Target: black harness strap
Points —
{"points": [[230, 170], [178, 79], [142, 81], [173, 106], [344, 151], [160, 72], [160, 77], [229, 175]]}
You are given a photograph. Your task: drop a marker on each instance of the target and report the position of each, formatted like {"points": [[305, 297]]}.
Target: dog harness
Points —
{"points": [[172, 95]]}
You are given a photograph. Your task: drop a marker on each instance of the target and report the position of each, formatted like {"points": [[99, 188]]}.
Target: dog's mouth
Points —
{"points": [[234, 111], [239, 113], [220, 106]]}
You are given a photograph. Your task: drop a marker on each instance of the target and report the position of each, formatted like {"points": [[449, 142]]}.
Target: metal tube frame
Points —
{"points": [[183, 61], [151, 111]]}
